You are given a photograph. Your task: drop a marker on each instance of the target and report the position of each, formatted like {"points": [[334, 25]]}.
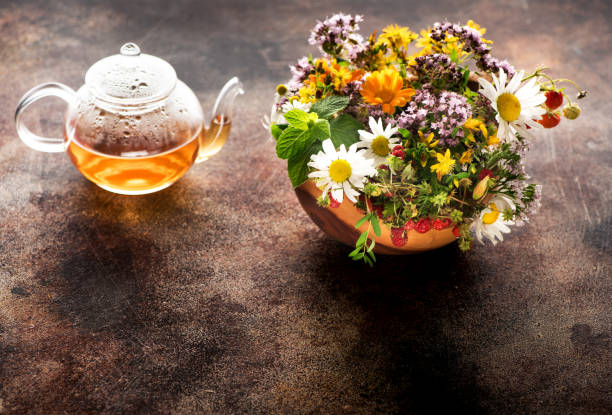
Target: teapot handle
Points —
{"points": [[45, 144]]}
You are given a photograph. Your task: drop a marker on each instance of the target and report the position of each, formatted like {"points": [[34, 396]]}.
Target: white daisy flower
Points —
{"points": [[517, 106], [340, 172], [490, 223], [378, 143]]}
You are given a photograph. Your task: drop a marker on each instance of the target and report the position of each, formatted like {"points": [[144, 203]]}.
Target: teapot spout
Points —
{"points": [[215, 135]]}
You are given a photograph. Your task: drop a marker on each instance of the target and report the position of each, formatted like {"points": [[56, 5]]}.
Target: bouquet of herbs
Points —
{"points": [[421, 131]]}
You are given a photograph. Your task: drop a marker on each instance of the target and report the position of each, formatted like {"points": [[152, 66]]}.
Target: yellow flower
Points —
{"points": [[307, 93], [428, 140], [385, 88], [397, 36], [445, 164], [492, 140], [474, 124], [342, 75], [466, 157]]}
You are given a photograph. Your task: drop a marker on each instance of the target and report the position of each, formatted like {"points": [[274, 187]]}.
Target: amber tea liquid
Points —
{"points": [[134, 175], [214, 138]]}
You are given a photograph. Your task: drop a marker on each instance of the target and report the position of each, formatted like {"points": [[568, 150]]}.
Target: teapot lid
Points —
{"points": [[131, 77]]}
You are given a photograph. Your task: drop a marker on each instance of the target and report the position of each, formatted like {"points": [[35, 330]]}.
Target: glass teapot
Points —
{"points": [[133, 128]]}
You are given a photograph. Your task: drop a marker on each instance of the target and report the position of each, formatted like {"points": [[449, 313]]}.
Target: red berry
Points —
{"points": [[409, 225], [440, 224], [398, 151], [333, 203], [383, 167], [456, 231], [397, 236], [423, 225], [484, 173], [554, 99], [550, 120]]}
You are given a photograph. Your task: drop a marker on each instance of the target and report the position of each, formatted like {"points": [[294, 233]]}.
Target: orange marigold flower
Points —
{"points": [[385, 88]]}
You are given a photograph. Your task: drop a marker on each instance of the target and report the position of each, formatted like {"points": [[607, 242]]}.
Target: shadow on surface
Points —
{"points": [[407, 305]]}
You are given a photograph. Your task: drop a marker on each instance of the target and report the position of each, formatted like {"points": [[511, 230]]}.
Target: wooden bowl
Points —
{"points": [[339, 223]]}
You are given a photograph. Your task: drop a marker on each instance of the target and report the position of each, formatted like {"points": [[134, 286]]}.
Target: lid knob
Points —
{"points": [[130, 49]]}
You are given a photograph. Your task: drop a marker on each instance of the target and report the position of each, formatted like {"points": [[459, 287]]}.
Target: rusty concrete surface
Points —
{"points": [[218, 295]]}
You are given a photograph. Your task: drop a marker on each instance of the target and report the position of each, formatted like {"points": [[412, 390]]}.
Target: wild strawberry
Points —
{"points": [[397, 236], [554, 99], [423, 225], [440, 224], [550, 120], [484, 173], [456, 231], [333, 203], [409, 225], [398, 151], [571, 112]]}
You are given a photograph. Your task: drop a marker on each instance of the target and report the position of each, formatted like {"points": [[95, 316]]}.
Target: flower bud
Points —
{"points": [[481, 188], [571, 112]]}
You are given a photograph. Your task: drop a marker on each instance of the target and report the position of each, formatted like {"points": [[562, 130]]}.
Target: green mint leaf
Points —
{"points": [[344, 130], [329, 106], [299, 119], [297, 166], [320, 130], [277, 129], [291, 142]]}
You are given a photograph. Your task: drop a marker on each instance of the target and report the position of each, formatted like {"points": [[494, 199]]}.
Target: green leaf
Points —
{"points": [[405, 133], [344, 130], [362, 238], [320, 130], [454, 132], [371, 248], [299, 119], [277, 130], [466, 77], [362, 221], [329, 106], [375, 224], [358, 256], [370, 253], [292, 142], [297, 166]]}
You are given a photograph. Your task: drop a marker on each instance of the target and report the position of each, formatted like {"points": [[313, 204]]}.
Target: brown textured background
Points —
{"points": [[218, 295]]}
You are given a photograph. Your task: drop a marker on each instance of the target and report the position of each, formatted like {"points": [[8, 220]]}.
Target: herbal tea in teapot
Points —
{"points": [[133, 128]]}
